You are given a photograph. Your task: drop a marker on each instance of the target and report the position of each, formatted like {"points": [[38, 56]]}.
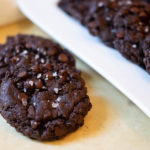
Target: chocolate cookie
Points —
{"points": [[132, 25], [100, 18], [42, 94]]}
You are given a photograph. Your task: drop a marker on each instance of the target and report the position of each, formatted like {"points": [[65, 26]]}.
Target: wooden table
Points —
{"points": [[114, 123]]}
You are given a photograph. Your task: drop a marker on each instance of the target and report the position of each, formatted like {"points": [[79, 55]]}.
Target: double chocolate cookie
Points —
{"points": [[99, 19], [132, 26], [42, 94]]}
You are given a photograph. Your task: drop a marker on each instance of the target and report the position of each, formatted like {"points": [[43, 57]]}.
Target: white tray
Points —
{"points": [[133, 81]]}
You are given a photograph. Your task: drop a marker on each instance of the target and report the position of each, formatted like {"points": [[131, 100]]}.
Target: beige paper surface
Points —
{"points": [[9, 12], [114, 123]]}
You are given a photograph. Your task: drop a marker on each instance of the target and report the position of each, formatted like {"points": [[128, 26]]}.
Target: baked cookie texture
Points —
{"points": [[121, 24], [42, 94], [99, 19], [132, 26]]}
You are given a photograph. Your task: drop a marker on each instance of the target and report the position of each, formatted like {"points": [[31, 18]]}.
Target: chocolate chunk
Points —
{"points": [[48, 75], [63, 58], [52, 52], [35, 68], [24, 98], [39, 84], [48, 66]]}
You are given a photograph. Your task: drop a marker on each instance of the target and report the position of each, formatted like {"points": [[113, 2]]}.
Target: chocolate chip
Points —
{"points": [[134, 10], [63, 58], [48, 75], [52, 52], [39, 84], [24, 98], [120, 34], [48, 66], [74, 75], [143, 14], [22, 74], [35, 68]]}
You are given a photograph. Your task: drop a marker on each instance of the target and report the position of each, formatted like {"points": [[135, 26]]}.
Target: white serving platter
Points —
{"points": [[130, 79]]}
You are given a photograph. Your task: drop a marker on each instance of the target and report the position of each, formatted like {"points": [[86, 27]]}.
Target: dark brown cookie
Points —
{"points": [[42, 94], [100, 18], [132, 25]]}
